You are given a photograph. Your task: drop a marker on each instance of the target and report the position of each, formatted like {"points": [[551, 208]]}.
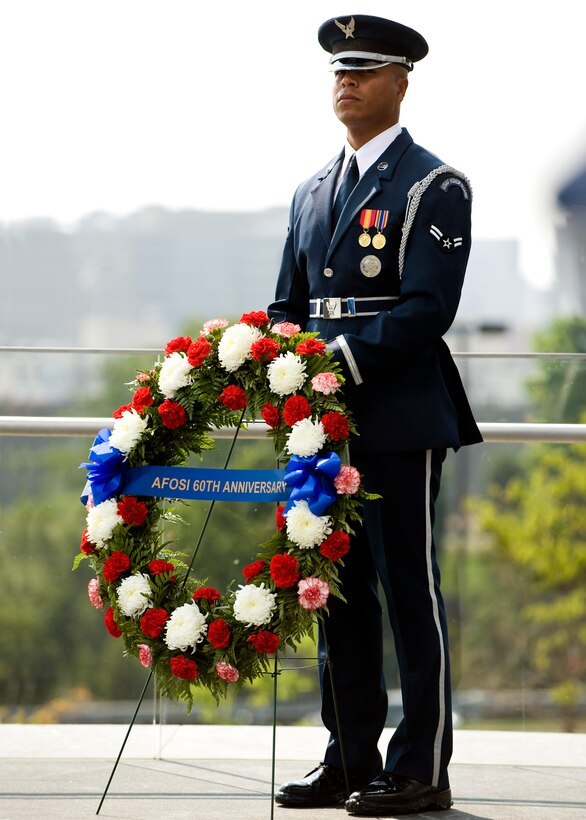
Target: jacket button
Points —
{"points": [[328, 272]]}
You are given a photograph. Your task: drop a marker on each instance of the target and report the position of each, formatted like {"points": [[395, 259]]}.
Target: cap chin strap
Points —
{"points": [[371, 60]]}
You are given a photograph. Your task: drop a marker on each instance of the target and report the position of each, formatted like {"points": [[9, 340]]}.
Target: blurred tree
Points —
{"points": [[559, 388], [538, 523]]}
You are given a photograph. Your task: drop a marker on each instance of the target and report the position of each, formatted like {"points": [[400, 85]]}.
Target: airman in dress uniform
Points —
{"points": [[374, 261]]}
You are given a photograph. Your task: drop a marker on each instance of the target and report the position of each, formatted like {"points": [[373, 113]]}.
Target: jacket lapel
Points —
{"points": [[323, 198], [371, 183]]}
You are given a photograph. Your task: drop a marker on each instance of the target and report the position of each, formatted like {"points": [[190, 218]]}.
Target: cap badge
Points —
{"points": [[348, 29], [446, 243]]}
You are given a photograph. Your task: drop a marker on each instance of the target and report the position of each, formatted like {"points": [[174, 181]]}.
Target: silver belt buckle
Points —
{"points": [[332, 307]]}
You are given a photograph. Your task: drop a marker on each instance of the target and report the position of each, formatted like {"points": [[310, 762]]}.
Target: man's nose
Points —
{"points": [[349, 78]]}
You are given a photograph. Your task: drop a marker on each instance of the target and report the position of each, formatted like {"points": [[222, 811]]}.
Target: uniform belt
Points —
{"points": [[336, 307]]}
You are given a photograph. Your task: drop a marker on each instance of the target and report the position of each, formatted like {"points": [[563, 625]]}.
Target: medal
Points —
{"points": [[370, 266], [366, 220], [380, 223]]}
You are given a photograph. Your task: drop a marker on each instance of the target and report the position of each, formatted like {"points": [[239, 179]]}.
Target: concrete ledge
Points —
{"points": [[178, 742]]}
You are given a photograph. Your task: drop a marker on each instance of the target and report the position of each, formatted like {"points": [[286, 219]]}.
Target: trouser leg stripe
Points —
{"points": [[437, 747]]}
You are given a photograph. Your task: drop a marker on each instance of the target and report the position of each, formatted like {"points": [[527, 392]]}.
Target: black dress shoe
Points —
{"points": [[392, 794], [323, 786]]}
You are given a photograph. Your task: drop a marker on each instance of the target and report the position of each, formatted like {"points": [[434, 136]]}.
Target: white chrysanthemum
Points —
{"points": [[306, 529], [306, 438], [186, 627], [175, 373], [101, 521], [254, 605], [127, 431], [286, 373], [134, 594], [235, 344]]}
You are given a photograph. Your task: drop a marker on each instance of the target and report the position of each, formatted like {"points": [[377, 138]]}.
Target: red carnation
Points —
{"points": [[257, 318], [284, 570], [111, 624], [172, 414], [86, 545], [271, 414], [280, 519], [250, 571], [265, 350], [336, 425], [179, 345], [115, 565], [219, 634], [183, 668], [157, 566], [198, 351], [336, 545], [296, 408], [153, 622], [117, 414], [233, 397], [265, 642], [142, 398], [207, 594], [133, 512], [311, 347]]}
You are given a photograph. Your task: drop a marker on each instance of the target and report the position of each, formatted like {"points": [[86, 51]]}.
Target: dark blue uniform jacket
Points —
{"points": [[401, 382]]}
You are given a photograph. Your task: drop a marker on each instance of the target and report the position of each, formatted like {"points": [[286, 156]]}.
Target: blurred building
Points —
{"points": [[139, 280], [571, 246]]}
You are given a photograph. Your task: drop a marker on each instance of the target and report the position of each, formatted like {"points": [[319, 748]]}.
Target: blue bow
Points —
{"points": [[312, 479], [105, 469]]}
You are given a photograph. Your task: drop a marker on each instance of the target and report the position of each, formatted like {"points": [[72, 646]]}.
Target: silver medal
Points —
{"points": [[370, 266]]}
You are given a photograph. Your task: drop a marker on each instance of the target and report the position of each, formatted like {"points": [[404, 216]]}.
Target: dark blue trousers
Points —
{"points": [[394, 547]]}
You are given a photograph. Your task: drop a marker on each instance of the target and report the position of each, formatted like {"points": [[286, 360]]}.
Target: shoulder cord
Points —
{"points": [[413, 200]]}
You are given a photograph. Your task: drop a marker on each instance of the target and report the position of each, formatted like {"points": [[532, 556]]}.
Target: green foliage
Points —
{"points": [[538, 523], [51, 639], [559, 388]]}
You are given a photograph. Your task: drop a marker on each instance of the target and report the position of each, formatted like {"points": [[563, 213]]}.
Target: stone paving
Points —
{"points": [[225, 773]]}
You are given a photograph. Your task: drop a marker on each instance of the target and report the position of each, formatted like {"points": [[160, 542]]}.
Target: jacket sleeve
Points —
{"points": [[292, 292], [435, 263]]}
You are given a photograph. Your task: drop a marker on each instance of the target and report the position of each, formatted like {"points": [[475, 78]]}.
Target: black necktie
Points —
{"points": [[346, 187]]}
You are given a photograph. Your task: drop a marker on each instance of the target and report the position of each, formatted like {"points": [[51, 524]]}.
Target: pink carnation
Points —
{"points": [[93, 590], [213, 324], [145, 655], [347, 481], [286, 329], [313, 593], [325, 383], [227, 672]]}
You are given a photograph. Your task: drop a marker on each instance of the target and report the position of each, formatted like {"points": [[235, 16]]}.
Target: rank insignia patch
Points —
{"points": [[446, 243]]}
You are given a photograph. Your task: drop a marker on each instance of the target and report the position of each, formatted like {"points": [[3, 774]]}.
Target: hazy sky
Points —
{"points": [[116, 104]]}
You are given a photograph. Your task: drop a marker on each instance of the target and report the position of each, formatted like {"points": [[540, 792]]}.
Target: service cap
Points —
{"points": [[361, 41]]}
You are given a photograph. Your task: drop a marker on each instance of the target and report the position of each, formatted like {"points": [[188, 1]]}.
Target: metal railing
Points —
{"points": [[88, 426]]}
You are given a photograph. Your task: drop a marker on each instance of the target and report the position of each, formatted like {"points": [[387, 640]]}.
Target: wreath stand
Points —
{"points": [[274, 674]]}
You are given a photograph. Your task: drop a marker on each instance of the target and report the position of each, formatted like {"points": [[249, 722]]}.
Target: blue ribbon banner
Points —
{"points": [[206, 484], [309, 479]]}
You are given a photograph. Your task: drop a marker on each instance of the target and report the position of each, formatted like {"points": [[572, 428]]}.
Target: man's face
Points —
{"points": [[368, 102]]}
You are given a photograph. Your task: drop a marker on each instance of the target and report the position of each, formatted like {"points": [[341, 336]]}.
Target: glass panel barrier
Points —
{"points": [[510, 532]]}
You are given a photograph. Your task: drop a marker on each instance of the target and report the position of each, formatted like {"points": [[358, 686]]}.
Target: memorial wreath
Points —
{"points": [[188, 633]]}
